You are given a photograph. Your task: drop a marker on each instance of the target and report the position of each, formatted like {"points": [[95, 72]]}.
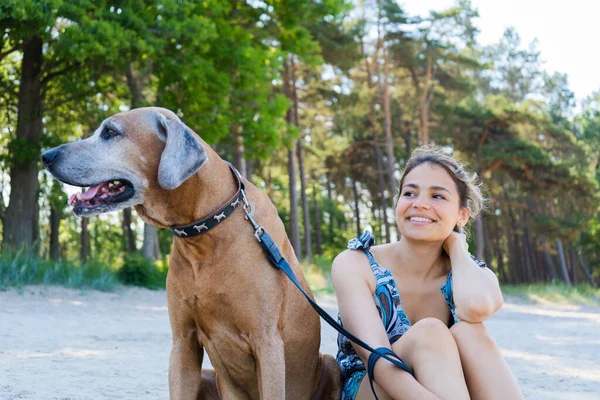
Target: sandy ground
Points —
{"points": [[58, 343]]}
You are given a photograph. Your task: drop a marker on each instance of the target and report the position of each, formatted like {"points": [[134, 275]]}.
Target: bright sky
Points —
{"points": [[567, 32]]}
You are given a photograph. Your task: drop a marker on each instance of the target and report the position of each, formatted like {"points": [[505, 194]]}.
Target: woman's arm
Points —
{"points": [[350, 274], [476, 290]]}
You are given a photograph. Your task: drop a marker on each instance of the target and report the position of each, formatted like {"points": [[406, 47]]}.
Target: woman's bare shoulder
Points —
{"points": [[350, 265], [383, 252]]}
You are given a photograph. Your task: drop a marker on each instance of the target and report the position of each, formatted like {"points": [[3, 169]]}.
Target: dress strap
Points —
{"points": [[364, 243]]}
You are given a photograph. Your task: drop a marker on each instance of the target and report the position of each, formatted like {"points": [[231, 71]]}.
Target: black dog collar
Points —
{"points": [[206, 224]]}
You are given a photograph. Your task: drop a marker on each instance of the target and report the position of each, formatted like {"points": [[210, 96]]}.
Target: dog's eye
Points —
{"points": [[109, 133]]}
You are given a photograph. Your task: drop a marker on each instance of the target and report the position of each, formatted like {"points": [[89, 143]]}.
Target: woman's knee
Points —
{"points": [[469, 334], [429, 333]]}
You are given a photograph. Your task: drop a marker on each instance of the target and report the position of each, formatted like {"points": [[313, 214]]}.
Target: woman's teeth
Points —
{"points": [[419, 219]]}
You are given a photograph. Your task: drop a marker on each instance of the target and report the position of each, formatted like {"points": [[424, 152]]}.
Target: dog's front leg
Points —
{"points": [[185, 362], [271, 368]]}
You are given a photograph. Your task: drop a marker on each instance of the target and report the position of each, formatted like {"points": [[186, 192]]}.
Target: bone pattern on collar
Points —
{"points": [[214, 219]]}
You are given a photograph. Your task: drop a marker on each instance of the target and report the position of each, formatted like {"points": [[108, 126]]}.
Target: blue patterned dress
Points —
{"points": [[395, 321]]}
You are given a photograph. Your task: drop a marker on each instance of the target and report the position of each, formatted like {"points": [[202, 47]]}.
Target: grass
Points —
{"points": [[21, 269], [557, 292], [318, 275]]}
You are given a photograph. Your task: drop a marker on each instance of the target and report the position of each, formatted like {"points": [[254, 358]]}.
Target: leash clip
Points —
{"points": [[249, 210], [258, 233]]}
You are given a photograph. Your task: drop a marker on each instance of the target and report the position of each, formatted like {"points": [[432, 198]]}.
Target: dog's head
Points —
{"points": [[127, 155]]}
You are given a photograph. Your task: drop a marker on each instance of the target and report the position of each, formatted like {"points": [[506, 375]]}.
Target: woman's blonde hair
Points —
{"points": [[467, 183]]}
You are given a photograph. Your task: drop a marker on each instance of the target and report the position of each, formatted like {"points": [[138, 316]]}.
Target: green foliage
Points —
{"points": [[20, 150], [138, 271]]}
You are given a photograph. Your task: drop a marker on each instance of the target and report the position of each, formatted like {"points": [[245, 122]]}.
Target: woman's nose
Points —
{"points": [[421, 202]]}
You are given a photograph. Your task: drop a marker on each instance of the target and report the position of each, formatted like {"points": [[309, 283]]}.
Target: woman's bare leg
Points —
{"points": [[487, 373], [429, 349]]}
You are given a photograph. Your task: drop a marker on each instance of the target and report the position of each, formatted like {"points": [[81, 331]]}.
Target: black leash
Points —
{"points": [[279, 262]]}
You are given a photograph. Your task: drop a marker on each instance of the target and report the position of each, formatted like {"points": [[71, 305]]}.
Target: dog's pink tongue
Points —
{"points": [[91, 192]]}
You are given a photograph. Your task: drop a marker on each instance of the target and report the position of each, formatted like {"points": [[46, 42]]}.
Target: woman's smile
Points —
{"points": [[420, 220]]}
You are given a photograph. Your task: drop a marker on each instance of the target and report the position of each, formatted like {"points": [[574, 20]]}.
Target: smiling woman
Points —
{"points": [[424, 298]]}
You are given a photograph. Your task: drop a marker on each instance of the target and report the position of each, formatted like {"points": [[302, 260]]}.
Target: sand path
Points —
{"points": [[58, 343]]}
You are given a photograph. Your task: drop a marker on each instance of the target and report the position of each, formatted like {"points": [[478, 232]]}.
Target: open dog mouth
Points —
{"points": [[101, 197]]}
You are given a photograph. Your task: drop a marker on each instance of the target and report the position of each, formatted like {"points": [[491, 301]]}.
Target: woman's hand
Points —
{"points": [[456, 241], [475, 290]]}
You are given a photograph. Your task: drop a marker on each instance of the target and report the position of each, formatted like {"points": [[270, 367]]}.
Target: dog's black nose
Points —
{"points": [[50, 156]]}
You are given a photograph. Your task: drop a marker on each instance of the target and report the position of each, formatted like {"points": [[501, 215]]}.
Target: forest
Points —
{"points": [[319, 104]]}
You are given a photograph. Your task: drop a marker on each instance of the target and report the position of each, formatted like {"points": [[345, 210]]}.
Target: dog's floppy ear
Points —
{"points": [[183, 154]]}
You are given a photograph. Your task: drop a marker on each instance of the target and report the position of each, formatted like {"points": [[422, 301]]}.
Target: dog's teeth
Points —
{"points": [[110, 185], [78, 196], [115, 182]]}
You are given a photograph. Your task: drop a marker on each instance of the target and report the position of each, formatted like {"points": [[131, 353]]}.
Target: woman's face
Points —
{"points": [[429, 204]]}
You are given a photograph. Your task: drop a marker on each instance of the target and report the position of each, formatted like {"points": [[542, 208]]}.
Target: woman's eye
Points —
{"points": [[439, 196], [408, 194]]}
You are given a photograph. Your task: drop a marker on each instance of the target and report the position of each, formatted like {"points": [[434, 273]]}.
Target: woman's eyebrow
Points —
{"points": [[438, 188]]}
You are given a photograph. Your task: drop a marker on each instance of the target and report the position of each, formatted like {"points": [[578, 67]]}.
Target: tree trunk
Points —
{"points": [[499, 253], [549, 261], [573, 264], [128, 234], [318, 236], [424, 99], [21, 225], [585, 269], [386, 225], [529, 256], [85, 240], [407, 139], [239, 151], [269, 182], [294, 218], [378, 157], [300, 155], [2, 205], [304, 198], [563, 262], [528, 275], [479, 238], [519, 259], [391, 160], [511, 230], [55, 217], [487, 252], [150, 248], [375, 211], [356, 209], [135, 87], [249, 168], [330, 198]]}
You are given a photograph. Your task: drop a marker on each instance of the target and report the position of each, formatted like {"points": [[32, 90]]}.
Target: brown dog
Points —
{"points": [[224, 297]]}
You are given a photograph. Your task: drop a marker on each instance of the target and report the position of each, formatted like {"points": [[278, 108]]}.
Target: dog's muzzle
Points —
{"points": [[50, 157]]}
